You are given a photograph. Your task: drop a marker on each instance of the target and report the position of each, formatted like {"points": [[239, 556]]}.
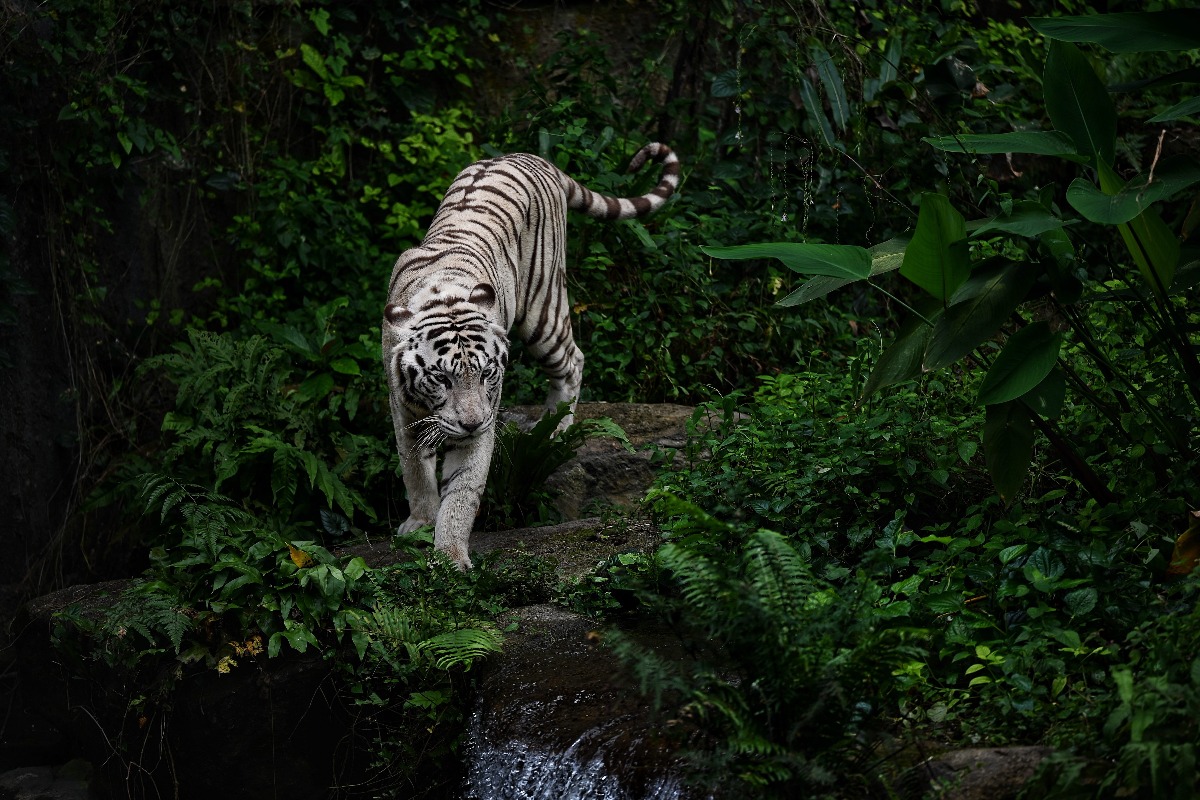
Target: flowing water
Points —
{"points": [[586, 769], [556, 720]]}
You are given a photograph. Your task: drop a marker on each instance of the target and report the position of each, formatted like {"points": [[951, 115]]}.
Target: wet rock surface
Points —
{"points": [[558, 717], [976, 773]]}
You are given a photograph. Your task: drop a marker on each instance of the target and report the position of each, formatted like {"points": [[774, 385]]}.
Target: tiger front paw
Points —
{"points": [[411, 524]]}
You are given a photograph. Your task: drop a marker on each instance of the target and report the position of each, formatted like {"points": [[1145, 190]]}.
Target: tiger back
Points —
{"points": [[492, 262]]}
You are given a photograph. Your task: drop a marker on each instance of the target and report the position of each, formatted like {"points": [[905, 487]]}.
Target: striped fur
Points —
{"points": [[493, 261]]}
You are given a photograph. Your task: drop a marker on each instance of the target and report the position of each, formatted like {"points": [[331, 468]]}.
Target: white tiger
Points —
{"points": [[493, 260]]}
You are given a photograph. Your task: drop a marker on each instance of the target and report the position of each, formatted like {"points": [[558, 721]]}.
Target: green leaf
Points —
{"points": [[836, 260], [889, 67], [642, 234], [936, 258], [977, 311], [1081, 601], [816, 112], [1154, 248], [1129, 32], [1078, 103], [1040, 143], [902, 360], [1009, 553], [1178, 111], [1027, 358], [1171, 176], [1027, 218], [835, 91], [314, 60], [1007, 446], [320, 20], [1047, 398], [316, 386], [885, 257], [345, 366], [725, 84]]}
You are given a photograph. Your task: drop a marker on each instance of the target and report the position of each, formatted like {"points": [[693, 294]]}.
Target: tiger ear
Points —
{"points": [[395, 313], [483, 295]]}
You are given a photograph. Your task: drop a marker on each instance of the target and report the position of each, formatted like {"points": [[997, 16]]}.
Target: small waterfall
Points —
{"points": [[556, 719], [590, 768]]}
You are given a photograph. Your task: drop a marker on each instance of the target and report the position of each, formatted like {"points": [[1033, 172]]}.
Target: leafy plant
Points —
{"points": [[242, 423], [788, 673], [795, 459], [1022, 259], [515, 494]]}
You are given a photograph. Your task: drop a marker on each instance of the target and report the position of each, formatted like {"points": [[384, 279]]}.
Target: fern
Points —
{"points": [[780, 582], [429, 637], [241, 426], [153, 611], [781, 659], [460, 647], [523, 461]]}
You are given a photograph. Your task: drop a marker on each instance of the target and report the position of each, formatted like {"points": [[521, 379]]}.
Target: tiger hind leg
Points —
{"points": [[564, 367]]}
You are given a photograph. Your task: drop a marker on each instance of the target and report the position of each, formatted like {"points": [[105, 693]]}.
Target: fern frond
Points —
{"points": [[702, 583], [656, 676], [778, 575], [461, 647]]}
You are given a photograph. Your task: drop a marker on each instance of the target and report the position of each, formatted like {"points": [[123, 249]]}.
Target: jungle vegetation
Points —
{"points": [[932, 267]]}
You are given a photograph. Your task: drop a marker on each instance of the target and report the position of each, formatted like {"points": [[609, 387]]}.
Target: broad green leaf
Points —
{"points": [[1129, 32], [889, 69], [977, 311], [345, 366], [1027, 218], [1078, 103], [1046, 399], [816, 112], [813, 289], [936, 258], [642, 234], [1026, 360], [1040, 143], [316, 386], [1185, 75], [314, 60], [902, 360], [836, 260], [885, 257], [834, 90], [725, 84], [1080, 601], [1179, 111], [1171, 176], [1154, 248], [1007, 446], [1009, 553]]}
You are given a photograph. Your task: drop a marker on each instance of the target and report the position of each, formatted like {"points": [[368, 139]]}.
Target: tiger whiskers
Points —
{"points": [[429, 433]]}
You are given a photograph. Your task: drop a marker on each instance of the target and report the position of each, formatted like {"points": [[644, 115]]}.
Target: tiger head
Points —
{"points": [[446, 357]]}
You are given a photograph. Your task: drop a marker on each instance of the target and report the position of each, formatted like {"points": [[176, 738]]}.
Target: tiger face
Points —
{"points": [[446, 360]]}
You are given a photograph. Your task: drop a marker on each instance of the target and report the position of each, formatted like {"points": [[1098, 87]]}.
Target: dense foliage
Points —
{"points": [[943, 495]]}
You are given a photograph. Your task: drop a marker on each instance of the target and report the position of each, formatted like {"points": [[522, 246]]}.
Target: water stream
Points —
{"points": [[558, 720], [590, 768]]}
